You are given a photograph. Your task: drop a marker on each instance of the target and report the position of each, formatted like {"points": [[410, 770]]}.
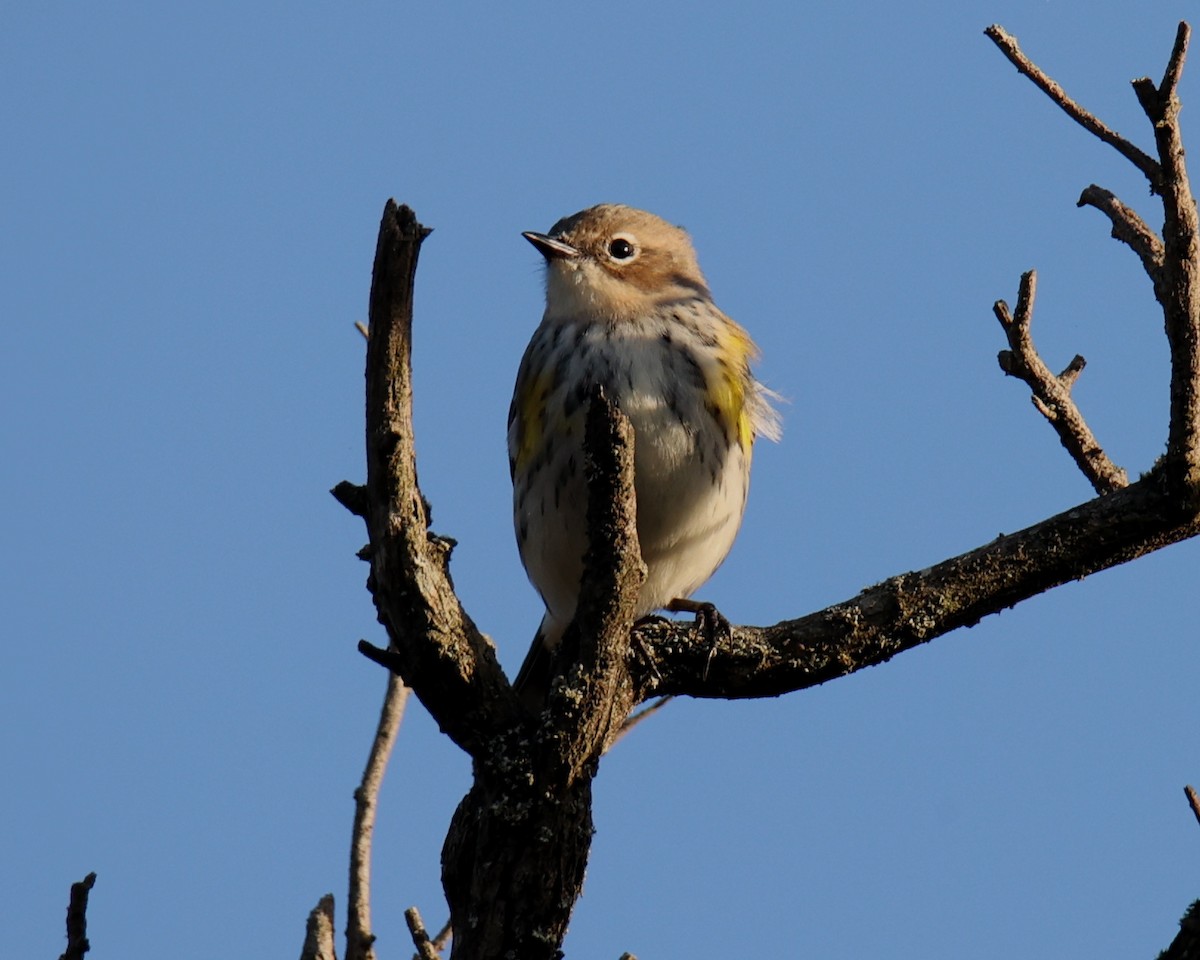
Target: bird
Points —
{"points": [[629, 310]]}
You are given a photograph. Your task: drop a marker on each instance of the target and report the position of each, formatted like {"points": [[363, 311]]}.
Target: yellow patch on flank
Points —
{"points": [[531, 418], [728, 393]]}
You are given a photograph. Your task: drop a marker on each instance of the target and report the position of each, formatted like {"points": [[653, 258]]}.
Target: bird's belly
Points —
{"points": [[691, 491], [691, 485]]}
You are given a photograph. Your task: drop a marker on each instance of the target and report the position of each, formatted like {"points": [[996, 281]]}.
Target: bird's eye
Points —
{"points": [[621, 248]]}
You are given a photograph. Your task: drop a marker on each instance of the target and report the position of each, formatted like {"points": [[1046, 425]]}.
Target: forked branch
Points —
{"points": [[1129, 521], [1173, 263], [1052, 394], [515, 854], [1008, 46], [517, 848], [1181, 302]]}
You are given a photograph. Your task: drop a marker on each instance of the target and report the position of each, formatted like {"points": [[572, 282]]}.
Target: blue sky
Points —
{"points": [[191, 196]]}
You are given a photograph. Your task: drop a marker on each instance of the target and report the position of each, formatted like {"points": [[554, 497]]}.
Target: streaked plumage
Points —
{"points": [[627, 307]]}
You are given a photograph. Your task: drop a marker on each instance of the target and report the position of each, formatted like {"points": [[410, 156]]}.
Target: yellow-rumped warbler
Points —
{"points": [[628, 309]]}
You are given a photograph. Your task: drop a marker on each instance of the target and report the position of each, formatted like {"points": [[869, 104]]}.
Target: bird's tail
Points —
{"points": [[537, 671]]}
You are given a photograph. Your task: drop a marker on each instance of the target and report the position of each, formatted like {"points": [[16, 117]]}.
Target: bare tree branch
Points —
{"points": [[1181, 281], [77, 941], [352, 496], [1157, 101], [520, 838], [359, 938], [515, 854], [1193, 800], [435, 647], [911, 609], [1130, 229], [908, 610], [530, 805], [1052, 394], [318, 935], [1008, 45], [1174, 70], [420, 938], [443, 937], [1177, 285], [1186, 945]]}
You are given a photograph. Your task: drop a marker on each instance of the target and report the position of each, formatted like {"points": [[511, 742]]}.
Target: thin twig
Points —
{"points": [[1193, 801], [1052, 394], [442, 940], [359, 938], [362, 328], [420, 938], [318, 934], [635, 719], [1009, 47], [77, 941]]}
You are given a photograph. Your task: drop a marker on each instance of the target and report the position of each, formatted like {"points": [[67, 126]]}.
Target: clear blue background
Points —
{"points": [[190, 198]]}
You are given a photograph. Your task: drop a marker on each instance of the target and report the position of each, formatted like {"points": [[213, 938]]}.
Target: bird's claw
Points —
{"points": [[711, 626]]}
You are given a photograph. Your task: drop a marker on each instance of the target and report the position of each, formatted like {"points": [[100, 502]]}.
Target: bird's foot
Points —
{"points": [[710, 625]]}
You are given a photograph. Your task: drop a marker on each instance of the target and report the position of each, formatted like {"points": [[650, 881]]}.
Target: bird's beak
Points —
{"points": [[549, 247]]}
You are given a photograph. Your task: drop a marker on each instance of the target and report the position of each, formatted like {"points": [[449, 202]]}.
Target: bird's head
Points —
{"points": [[615, 261]]}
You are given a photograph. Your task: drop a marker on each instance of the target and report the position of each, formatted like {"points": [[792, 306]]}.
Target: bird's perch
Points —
{"points": [[515, 854]]}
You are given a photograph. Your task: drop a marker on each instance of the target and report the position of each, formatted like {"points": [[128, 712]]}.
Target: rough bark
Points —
{"points": [[77, 940], [908, 610], [514, 858], [318, 932], [1186, 945], [518, 844]]}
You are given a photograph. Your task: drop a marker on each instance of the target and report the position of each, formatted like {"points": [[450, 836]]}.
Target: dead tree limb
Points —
{"points": [[1092, 124], [318, 933], [360, 941], [514, 857], [1052, 394], [77, 941], [515, 854], [1186, 945], [1193, 800], [1177, 279], [420, 937]]}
